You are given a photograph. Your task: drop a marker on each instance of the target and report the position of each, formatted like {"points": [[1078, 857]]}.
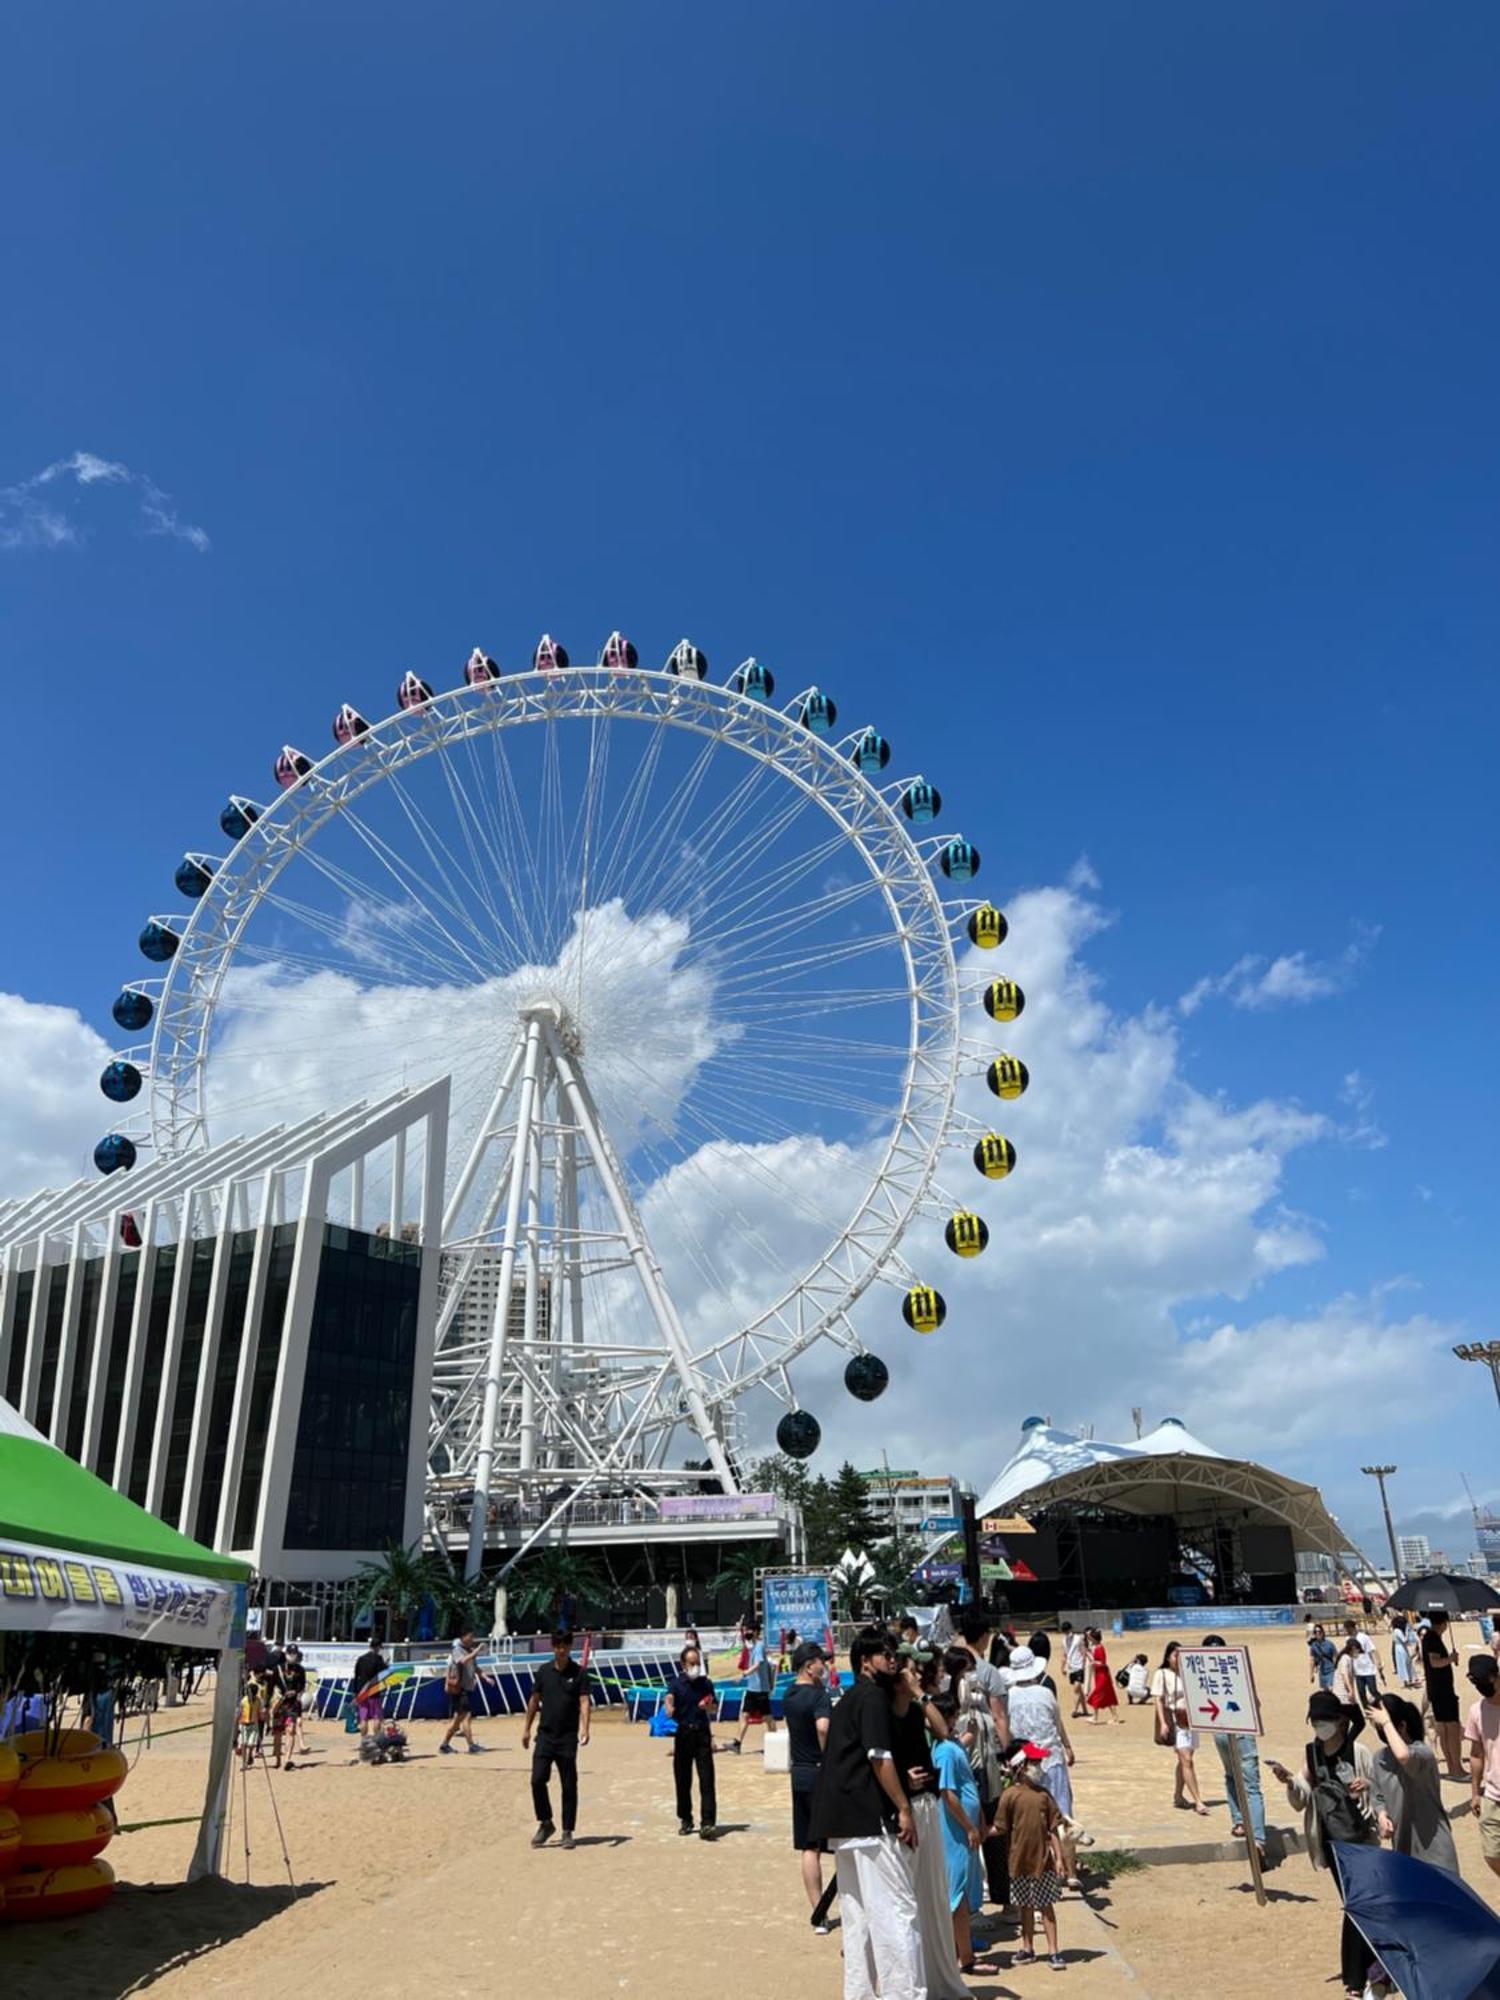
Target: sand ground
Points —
{"points": [[420, 1877]]}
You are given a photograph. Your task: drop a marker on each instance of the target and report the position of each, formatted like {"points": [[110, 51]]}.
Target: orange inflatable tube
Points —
{"points": [[10, 1841], [40, 1893], [63, 1839]]}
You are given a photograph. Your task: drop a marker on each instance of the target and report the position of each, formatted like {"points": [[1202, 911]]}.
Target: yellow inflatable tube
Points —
{"points": [[41, 1893], [10, 1842], [70, 1782], [64, 1839]]}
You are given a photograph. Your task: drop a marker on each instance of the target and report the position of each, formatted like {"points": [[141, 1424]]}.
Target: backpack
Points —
{"points": [[1339, 1818]]}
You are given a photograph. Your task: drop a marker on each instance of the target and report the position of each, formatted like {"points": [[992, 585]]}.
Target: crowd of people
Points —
{"points": [[942, 1776]]}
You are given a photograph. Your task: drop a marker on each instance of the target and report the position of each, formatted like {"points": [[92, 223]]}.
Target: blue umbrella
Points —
{"points": [[1429, 1930]]}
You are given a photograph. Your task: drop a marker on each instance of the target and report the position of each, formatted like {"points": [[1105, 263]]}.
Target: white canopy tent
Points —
{"points": [[1166, 1472]]}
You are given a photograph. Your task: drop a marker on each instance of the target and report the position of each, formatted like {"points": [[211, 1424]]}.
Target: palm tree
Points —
{"points": [[738, 1575], [538, 1584], [398, 1580]]}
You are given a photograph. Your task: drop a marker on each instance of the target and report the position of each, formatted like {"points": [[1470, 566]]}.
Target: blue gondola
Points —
{"points": [[159, 942], [120, 1082], [685, 659], [871, 753], [291, 767], [549, 657], [238, 817], [819, 713], [959, 860], [866, 1377], [754, 680], [348, 724], [921, 802], [193, 875], [132, 1009], [618, 652], [413, 692], [480, 669], [798, 1434], [114, 1153]]}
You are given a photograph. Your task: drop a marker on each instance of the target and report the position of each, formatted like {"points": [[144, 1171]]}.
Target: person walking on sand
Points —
{"points": [[460, 1684], [1036, 1718], [1075, 1666], [1173, 1730], [1482, 1736], [759, 1678], [294, 1679], [560, 1699], [957, 1831], [1029, 1818], [861, 1811], [1438, 1662], [1403, 1653], [1334, 1793], [365, 1684], [1103, 1694], [1366, 1664], [1407, 1784], [1322, 1656], [807, 1711], [690, 1704]]}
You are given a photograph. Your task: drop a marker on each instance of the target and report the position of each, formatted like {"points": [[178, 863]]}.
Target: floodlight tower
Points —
{"points": [[1486, 1351], [1380, 1474]]}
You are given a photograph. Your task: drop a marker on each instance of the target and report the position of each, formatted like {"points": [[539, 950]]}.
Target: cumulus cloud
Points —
{"points": [[51, 1111], [1255, 983], [35, 512], [1128, 1251]]}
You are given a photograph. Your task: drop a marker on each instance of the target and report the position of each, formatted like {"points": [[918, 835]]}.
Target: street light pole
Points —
{"points": [[1486, 1351], [1380, 1474]]}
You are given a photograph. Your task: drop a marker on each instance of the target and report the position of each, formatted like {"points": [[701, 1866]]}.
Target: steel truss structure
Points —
{"points": [[548, 1401]]}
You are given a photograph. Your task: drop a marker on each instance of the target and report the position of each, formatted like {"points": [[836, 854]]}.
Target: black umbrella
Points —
{"points": [[1453, 1594]]}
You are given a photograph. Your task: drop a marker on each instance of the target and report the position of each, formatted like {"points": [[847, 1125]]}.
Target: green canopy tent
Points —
{"points": [[75, 1556]]}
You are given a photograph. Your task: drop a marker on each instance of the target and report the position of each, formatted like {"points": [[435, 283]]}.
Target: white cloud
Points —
{"points": [[32, 518], [51, 1112], [1255, 983], [1126, 1251]]}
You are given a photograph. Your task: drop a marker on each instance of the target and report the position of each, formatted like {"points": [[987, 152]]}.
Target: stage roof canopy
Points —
{"points": [[1169, 1471]]}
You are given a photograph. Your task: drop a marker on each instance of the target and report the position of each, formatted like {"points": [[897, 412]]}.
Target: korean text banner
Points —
{"points": [[51, 1590], [798, 1604]]}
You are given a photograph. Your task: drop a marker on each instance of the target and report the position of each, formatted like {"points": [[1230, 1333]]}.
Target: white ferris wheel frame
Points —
{"points": [[822, 769]]}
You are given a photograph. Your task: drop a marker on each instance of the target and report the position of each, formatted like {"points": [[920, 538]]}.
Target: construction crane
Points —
{"points": [[1486, 1527]]}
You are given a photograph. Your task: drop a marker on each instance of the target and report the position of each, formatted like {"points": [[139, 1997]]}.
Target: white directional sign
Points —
{"points": [[1220, 1689]]}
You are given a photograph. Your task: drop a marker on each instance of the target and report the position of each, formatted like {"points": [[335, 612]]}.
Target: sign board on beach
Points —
{"points": [[56, 1590], [797, 1604], [1220, 1689], [1006, 1524], [941, 1524]]}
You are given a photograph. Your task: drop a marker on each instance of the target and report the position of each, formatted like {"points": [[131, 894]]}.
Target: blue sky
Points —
{"points": [[1104, 396]]}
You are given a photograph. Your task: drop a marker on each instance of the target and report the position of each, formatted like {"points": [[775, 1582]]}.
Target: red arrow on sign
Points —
{"points": [[1211, 1710]]}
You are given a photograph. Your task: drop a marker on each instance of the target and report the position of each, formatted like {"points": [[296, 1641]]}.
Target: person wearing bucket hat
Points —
{"points": [[1036, 1717], [1334, 1792]]}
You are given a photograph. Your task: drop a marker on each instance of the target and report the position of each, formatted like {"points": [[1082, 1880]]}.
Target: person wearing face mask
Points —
{"points": [[1335, 1793], [807, 1710], [690, 1703]]}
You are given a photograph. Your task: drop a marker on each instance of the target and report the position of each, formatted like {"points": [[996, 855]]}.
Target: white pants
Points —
{"points": [[929, 1871], [878, 1906]]}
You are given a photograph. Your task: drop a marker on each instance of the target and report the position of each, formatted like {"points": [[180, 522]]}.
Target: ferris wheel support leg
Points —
{"points": [[482, 1143], [585, 1116], [533, 1294], [500, 1326]]}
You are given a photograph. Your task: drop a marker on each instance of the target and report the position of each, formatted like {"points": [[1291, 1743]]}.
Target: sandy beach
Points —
{"points": [[421, 1876]]}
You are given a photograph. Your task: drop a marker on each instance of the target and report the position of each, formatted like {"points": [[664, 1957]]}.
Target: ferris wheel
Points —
{"points": [[689, 955]]}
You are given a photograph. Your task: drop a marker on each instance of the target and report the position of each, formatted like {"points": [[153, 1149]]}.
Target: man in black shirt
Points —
{"points": [[808, 1710], [560, 1696], [860, 1809]]}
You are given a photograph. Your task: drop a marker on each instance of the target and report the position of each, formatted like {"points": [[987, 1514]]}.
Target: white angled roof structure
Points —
{"points": [[1169, 1471]]}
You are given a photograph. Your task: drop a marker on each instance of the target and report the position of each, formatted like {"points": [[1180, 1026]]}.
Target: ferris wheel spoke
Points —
{"points": [[514, 846], [448, 871], [424, 893], [402, 921], [664, 840], [385, 946], [482, 872]]}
